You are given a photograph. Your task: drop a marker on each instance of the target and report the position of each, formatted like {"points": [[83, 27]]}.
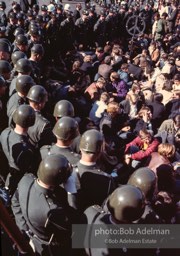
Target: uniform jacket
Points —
{"points": [[142, 154]]}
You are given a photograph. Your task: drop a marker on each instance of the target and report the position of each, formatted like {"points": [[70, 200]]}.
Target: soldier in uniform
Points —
{"points": [[23, 67], [3, 117], [125, 204], [63, 108], [16, 146], [3, 18], [5, 69], [89, 175], [145, 179], [65, 130], [41, 132], [100, 29], [21, 43], [11, 26], [41, 208], [82, 26], [37, 53], [5, 49], [15, 56], [23, 84]]}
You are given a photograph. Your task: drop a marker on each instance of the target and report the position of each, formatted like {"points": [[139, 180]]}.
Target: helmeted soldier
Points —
{"points": [[145, 179], [5, 49], [88, 175], [16, 145], [41, 208], [125, 205], [100, 29], [63, 108], [11, 26], [23, 84], [5, 69], [21, 43], [37, 53], [15, 56], [65, 130], [41, 132], [82, 26], [23, 67], [3, 117], [3, 18]]}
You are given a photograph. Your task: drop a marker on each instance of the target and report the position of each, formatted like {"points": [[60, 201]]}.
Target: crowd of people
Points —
{"points": [[89, 119]]}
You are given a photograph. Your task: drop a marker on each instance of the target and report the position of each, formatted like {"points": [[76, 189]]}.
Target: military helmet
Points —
{"points": [[54, 170], [24, 83], [5, 47], [126, 203], [145, 179], [21, 16], [2, 5], [37, 93], [21, 40], [38, 48], [34, 30], [2, 82], [5, 67], [18, 31], [91, 141], [63, 108], [35, 7], [30, 13], [44, 7], [23, 66], [16, 7], [12, 15], [17, 55], [66, 128], [24, 116]]}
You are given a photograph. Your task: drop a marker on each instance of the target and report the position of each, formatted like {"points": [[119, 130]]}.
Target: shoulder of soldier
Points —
{"points": [[42, 119], [45, 150], [5, 132], [27, 179], [93, 212]]}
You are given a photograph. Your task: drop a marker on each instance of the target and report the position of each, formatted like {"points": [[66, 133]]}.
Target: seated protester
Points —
{"points": [[176, 82], [124, 75], [163, 85], [131, 105], [113, 121], [158, 110], [140, 148], [143, 121], [93, 91], [98, 108], [173, 106], [168, 129], [119, 87], [163, 156]]}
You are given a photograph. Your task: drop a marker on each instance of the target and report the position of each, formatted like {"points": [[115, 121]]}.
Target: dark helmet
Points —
{"points": [[37, 48], [35, 7], [145, 179], [5, 47], [85, 12], [34, 31], [66, 128], [21, 40], [54, 170], [126, 203], [2, 28], [59, 7], [63, 108], [2, 5], [24, 83], [21, 16], [37, 93], [44, 8], [30, 13], [17, 7], [12, 15], [2, 82], [17, 55], [19, 31], [23, 66], [91, 141], [5, 67], [24, 116]]}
